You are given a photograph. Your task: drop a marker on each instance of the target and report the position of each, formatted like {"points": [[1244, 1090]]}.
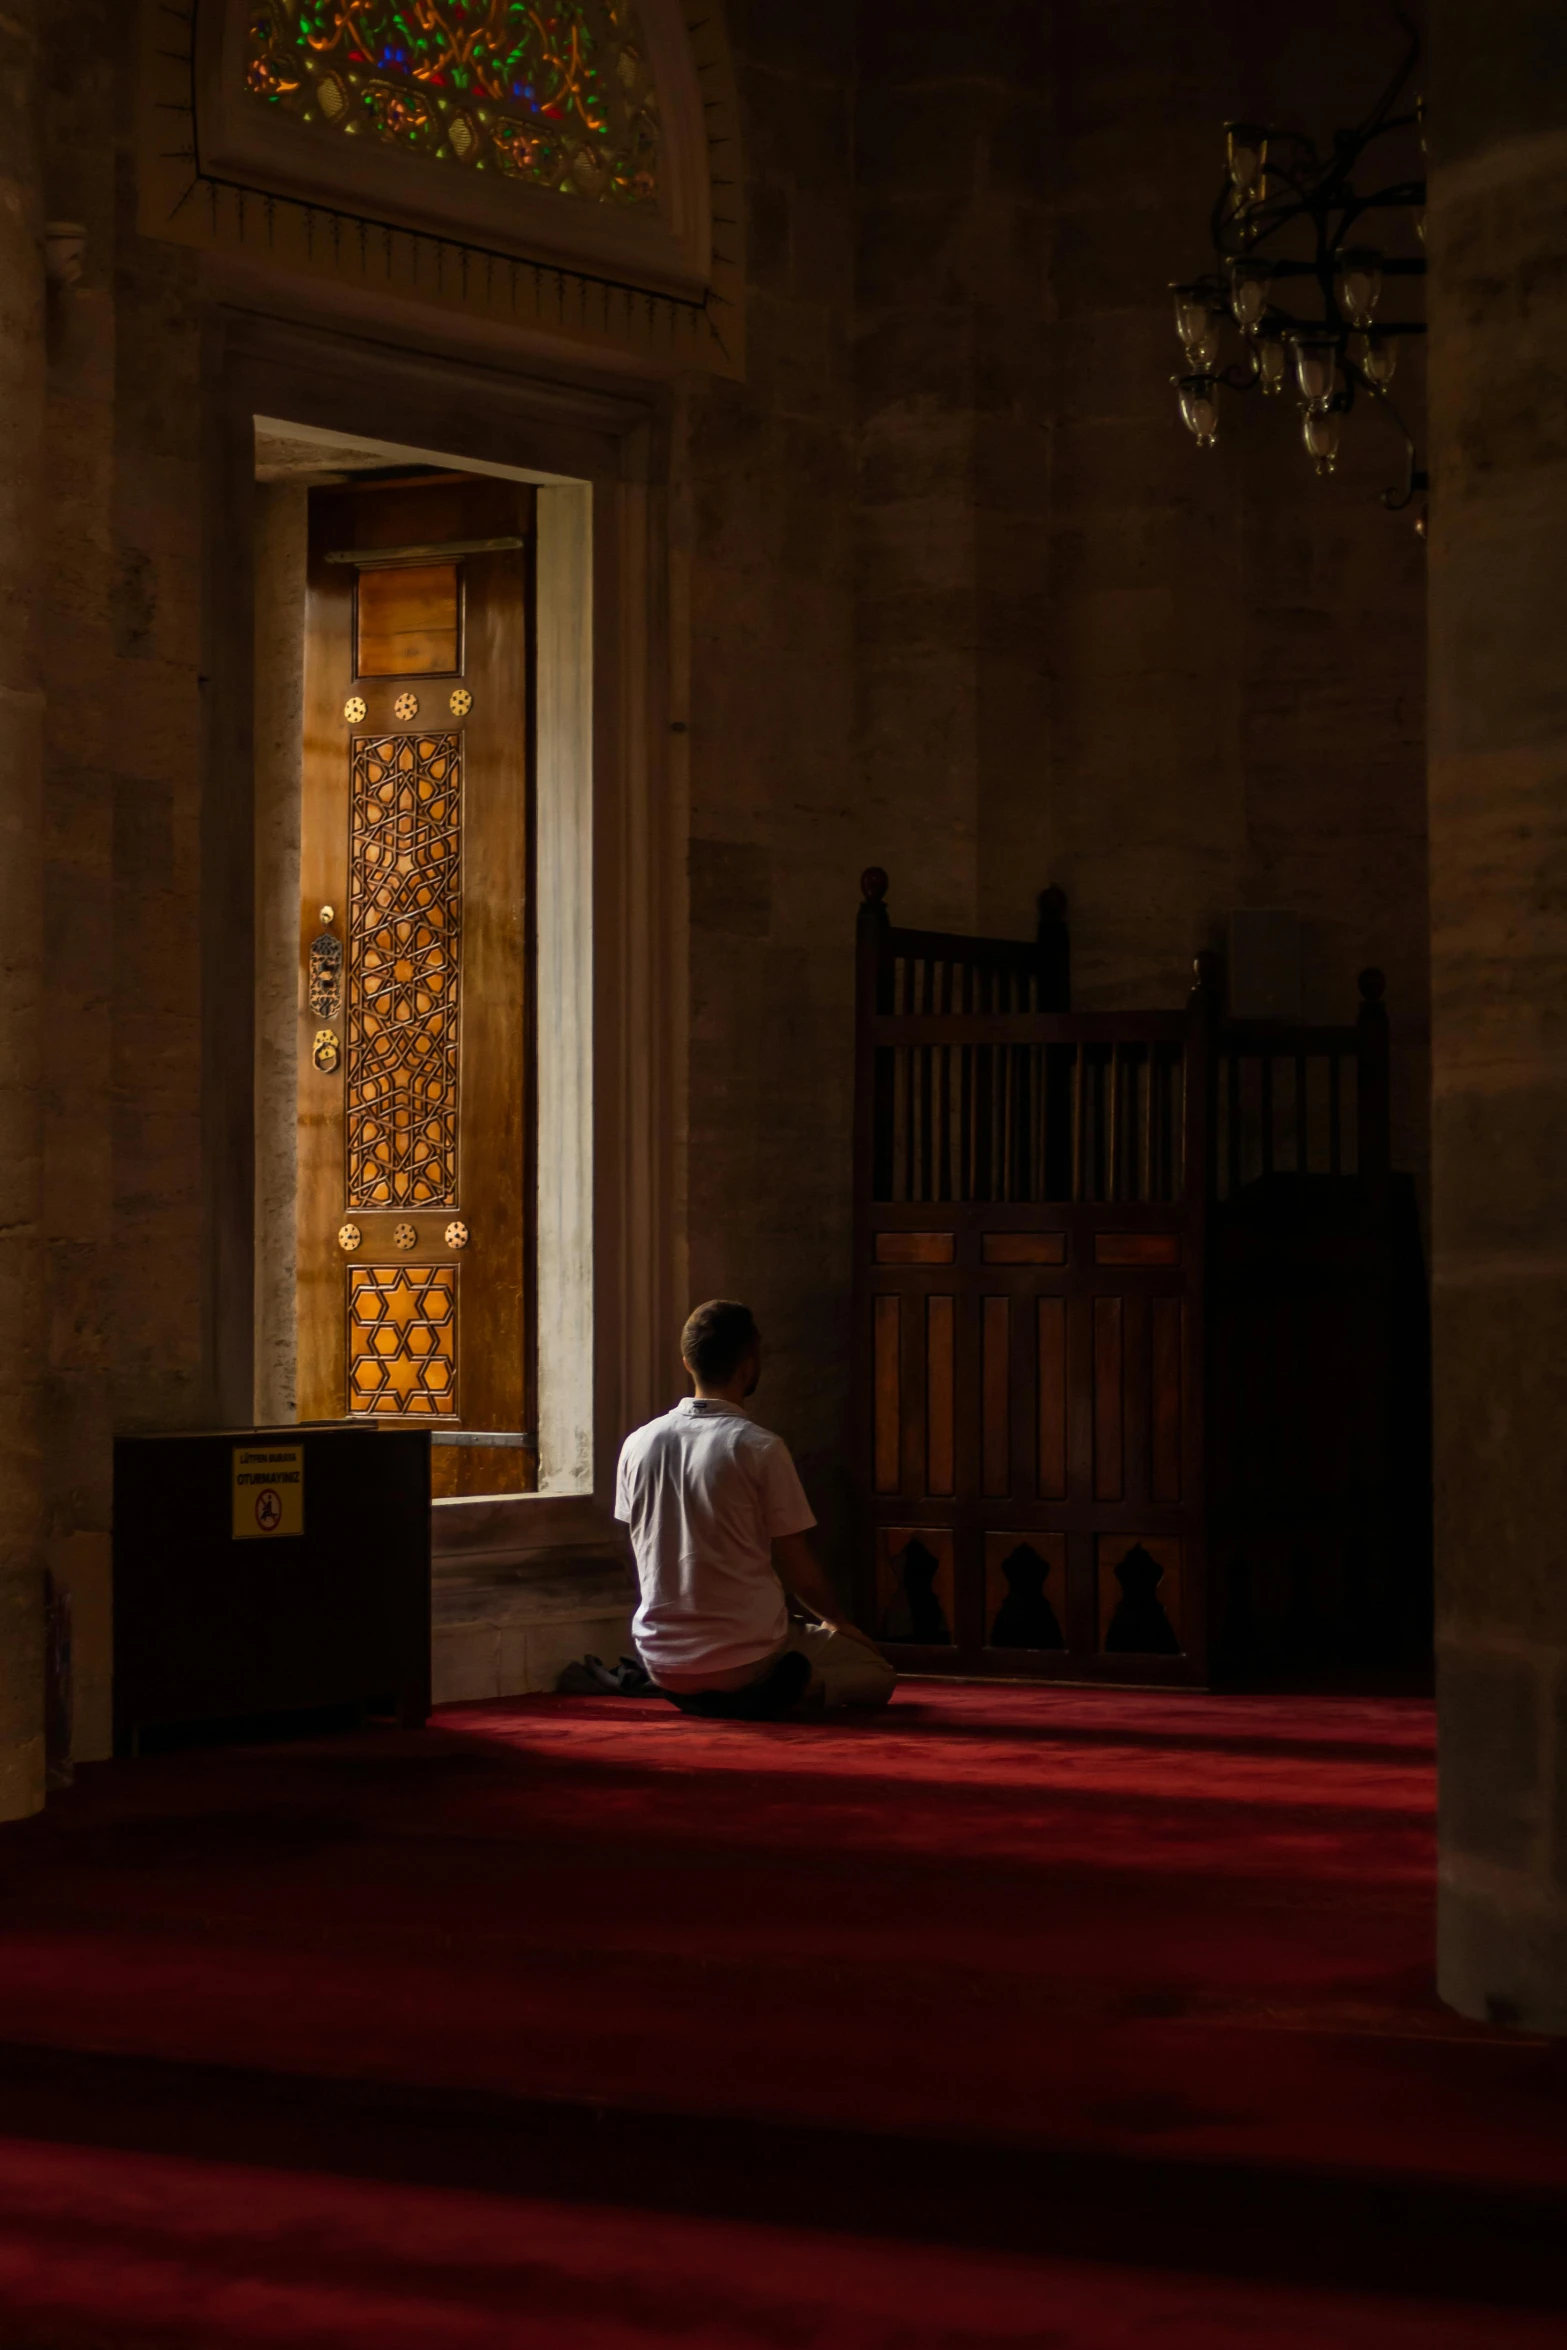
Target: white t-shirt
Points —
{"points": [[704, 1491]]}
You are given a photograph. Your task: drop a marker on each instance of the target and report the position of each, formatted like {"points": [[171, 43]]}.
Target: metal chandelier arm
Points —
{"points": [[1376, 120], [1416, 480]]}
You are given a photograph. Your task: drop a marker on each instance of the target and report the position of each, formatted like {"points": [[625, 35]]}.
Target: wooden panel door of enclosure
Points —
{"points": [[1029, 1239], [1035, 1441], [415, 1062]]}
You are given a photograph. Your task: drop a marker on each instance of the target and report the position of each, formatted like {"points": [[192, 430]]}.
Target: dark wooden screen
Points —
{"points": [[1141, 1369], [1318, 1394], [1029, 1279]]}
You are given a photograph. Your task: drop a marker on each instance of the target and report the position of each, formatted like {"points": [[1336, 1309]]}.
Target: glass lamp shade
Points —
{"points": [[1359, 284], [1246, 145], [1199, 407], [1376, 356], [1320, 431], [1270, 364], [1197, 323], [1251, 283], [1316, 369]]}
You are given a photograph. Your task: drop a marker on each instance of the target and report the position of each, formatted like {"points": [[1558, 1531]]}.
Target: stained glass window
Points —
{"points": [[554, 93]]}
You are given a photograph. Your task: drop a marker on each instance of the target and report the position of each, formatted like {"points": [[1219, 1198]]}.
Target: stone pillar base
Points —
{"points": [[1501, 1959], [21, 1695]]}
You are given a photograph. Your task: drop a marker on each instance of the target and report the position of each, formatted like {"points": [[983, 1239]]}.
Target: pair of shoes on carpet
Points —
{"points": [[593, 1678]]}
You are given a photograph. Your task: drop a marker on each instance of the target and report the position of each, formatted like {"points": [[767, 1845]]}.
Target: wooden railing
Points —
{"points": [[1306, 1102], [986, 1086], [969, 1108]]}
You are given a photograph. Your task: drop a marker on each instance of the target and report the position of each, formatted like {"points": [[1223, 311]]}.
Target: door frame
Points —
{"points": [[615, 853]]}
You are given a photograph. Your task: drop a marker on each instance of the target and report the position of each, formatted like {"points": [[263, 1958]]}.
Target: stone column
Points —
{"points": [[1498, 777], [21, 787]]}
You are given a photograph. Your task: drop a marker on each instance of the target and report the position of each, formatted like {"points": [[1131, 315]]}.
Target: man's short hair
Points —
{"points": [[717, 1338]]}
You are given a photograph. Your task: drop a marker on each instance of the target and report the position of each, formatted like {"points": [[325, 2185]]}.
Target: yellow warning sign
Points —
{"points": [[269, 1489]]}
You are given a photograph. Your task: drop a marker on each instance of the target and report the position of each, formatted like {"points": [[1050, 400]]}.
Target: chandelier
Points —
{"points": [[1300, 267]]}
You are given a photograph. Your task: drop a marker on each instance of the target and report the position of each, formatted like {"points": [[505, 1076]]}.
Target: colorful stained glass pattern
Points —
{"points": [[404, 969], [402, 1340], [555, 93]]}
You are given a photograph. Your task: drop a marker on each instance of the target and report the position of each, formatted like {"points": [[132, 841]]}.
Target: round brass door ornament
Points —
{"points": [[325, 1052], [404, 1235], [328, 917], [406, 706], [457, 1234], [354, 709], [462, 701], [348, 1238]]}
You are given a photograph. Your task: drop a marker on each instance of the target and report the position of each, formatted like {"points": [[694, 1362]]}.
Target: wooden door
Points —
{"points": [[414, 1114]]}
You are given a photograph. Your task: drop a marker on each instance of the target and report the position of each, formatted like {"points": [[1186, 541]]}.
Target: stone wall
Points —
{"points": [[954, 459], [1499, 964], [777, 831], [121, 617], [22, 1314]]}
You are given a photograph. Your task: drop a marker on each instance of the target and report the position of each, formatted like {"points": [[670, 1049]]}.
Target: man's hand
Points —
{"points": [[847, 1631], [801, 1575]]}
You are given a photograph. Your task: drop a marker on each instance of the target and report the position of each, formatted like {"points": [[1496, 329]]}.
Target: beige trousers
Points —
{"points": [[846, 1670]]}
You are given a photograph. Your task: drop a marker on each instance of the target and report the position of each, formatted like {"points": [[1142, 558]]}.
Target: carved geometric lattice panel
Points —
{"points": [[402, 1340], [404, 969]]}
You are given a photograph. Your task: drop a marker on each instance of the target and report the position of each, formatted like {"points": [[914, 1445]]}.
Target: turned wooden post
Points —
{"points": [[873, 1069]]}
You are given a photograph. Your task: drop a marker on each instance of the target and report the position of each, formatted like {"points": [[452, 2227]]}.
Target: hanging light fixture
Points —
{"points": [[1319, 429], [1198, 317], [1246, 145], [1199, 407], [1303, 290], [1359, 284], [1316, 368], [1376, 356], [1251, 288]]}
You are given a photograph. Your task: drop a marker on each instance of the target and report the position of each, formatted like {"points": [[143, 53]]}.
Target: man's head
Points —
{"points": [[721, 1347]]}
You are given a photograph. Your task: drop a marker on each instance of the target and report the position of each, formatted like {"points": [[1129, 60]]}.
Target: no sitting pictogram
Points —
{"points": [[269, 1491]]}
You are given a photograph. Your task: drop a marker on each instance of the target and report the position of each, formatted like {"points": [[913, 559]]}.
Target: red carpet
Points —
{"points": [[1014, 2016]]}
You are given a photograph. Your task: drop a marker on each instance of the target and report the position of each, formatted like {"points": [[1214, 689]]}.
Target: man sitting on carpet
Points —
{"points": [[719, 1523]]}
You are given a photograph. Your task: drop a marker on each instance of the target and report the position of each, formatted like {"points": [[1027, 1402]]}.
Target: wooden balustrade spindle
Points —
{"points": [[1302, 1117], [1113, 1125], [1077, 1121], [1265, 1075], [1232, 1113]]}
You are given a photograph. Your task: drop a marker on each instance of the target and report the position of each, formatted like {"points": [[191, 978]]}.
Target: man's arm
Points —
{"points": [[801, 1574]]}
